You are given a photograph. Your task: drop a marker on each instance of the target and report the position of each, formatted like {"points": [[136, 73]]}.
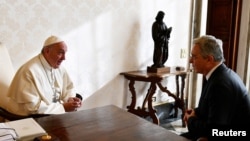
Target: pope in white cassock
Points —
{"points": [[42, 86]]}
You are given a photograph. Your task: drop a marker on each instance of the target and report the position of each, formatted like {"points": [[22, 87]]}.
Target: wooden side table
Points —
{"points": [[155, 80]]}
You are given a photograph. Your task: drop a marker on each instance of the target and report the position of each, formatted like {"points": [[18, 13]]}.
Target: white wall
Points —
{"points": [[104, 38]]}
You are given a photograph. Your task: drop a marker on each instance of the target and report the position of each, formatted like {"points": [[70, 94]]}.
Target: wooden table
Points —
{"points": [[155, 80], [108, 123]]}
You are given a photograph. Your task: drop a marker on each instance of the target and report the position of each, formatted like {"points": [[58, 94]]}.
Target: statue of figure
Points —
{"points": [[161, 35]]}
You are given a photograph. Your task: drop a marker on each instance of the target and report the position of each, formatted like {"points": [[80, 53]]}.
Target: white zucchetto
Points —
{"points": [[52, 40]]}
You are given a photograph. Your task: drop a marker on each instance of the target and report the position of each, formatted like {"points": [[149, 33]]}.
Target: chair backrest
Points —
{"points": [[6, 74]]}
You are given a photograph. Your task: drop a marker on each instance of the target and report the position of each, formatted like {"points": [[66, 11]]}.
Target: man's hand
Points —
{"points": [[189, 113], [72, 104]]}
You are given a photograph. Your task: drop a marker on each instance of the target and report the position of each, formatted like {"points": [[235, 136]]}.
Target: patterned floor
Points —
{"points": [[165, 113], [175, 126]]}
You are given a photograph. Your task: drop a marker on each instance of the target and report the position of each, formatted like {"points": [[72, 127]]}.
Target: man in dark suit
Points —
{"points": [[224, 105]]}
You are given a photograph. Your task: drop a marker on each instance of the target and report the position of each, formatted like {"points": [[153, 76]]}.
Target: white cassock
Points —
{"points": [[37, 88]]}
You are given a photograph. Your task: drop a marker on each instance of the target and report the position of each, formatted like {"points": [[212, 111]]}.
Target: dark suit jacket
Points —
{"points": [[224, 102]]}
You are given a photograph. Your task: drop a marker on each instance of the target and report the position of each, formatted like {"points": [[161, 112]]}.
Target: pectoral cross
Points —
{"points": [[55, 87]]}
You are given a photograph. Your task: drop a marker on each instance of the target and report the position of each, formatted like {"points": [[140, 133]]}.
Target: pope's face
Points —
{"points": [[55, 54]]}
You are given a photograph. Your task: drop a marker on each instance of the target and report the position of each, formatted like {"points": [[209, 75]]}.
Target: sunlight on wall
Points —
{"points": [[88, 55], [104, 38]]}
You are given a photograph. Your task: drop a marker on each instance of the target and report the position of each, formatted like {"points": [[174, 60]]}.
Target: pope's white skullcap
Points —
{"points": [[52, 40]]}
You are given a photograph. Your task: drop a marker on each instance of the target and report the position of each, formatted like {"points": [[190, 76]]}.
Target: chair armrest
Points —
{"points": [[10, 116], [38, 115]]}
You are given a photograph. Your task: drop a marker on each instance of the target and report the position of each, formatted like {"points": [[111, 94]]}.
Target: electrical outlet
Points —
{"points": [[183, 53]]}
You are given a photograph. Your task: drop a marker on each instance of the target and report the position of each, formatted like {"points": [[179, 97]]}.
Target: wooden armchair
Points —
{"points": [[6, 75], [10, 116]]}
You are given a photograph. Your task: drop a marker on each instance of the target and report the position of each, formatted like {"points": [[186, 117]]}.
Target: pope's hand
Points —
{"points": [[72, 104]]}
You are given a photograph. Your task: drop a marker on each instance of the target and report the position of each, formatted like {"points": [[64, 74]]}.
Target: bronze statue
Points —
{"points": [[161, 35]]}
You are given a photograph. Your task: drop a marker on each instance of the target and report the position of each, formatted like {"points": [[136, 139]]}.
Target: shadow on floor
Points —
{"points": [[165, 113]]}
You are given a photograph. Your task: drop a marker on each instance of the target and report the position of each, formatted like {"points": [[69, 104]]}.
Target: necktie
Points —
{"points": [[204, 83], [203, 91]]}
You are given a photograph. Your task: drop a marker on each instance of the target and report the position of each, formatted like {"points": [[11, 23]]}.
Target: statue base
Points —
{"points": [[158, 70]]}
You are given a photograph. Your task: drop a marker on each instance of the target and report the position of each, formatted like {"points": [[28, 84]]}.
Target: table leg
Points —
{"points": [[143, 111], [152, 111], [178, 102], [131, 107], [180, 96], [177, 95], [184, 106]]}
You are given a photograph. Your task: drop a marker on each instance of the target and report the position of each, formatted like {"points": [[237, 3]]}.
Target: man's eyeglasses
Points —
{"points": [[192, 56]]}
